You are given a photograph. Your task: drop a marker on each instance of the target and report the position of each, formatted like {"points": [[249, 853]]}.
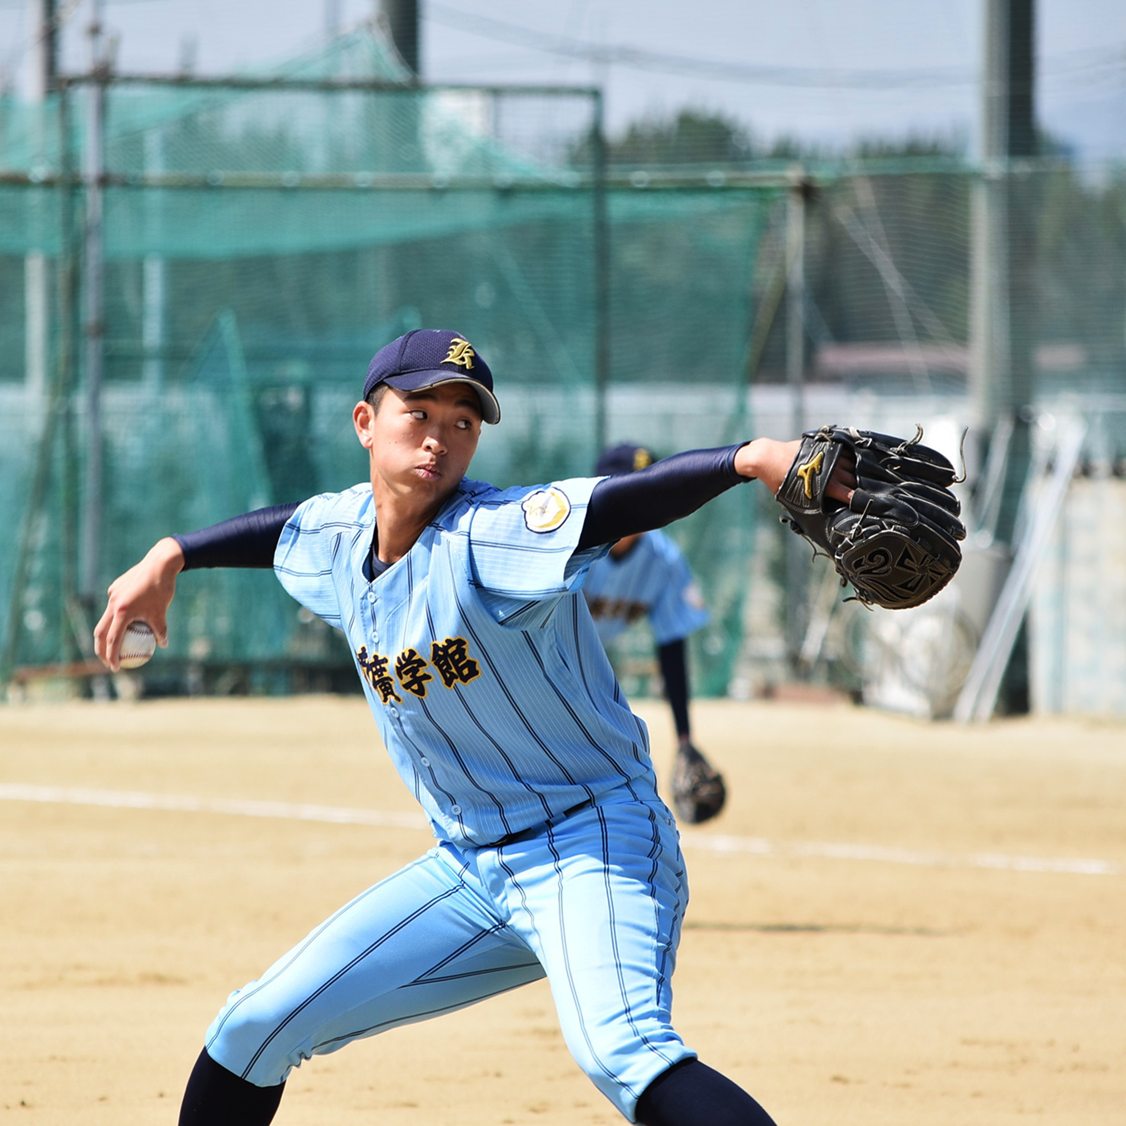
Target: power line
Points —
{"points": [[802, 77], [688, 65], [1102, 66]]}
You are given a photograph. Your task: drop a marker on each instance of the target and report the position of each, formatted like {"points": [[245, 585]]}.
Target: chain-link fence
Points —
{"points": [[194, 275]]}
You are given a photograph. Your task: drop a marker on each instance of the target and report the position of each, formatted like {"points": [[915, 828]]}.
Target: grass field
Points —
{"points": [[893, 923]]}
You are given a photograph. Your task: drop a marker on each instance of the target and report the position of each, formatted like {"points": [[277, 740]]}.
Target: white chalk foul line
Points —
{"points": [[752, 846], [757, 846], [184, 803]]}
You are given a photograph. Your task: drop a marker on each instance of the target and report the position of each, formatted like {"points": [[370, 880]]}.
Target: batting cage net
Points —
{"points": [[194, 275]]}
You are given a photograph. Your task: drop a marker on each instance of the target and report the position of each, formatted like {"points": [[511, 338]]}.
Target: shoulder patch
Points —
{"points": [[546, 509]]}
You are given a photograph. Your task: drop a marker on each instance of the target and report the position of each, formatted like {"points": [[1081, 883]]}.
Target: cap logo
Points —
{"points": [[642, 459], [460, 353]]}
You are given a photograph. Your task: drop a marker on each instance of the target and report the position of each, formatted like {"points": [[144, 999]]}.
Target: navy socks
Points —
{"points": [[692, 1094], [217, 1097]]}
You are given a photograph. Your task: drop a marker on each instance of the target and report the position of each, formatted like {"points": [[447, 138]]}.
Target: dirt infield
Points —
{"points": [[893, 923]]}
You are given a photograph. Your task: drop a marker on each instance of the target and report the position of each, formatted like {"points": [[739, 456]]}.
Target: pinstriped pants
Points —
{"points": [[594, 901]]}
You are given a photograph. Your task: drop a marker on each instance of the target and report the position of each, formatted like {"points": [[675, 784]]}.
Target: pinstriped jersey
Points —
{"points": [[478, 656], [651, 580]]}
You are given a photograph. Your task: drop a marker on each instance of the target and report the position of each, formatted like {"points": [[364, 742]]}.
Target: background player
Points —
{"points": [[646, 575], [554, 854]]}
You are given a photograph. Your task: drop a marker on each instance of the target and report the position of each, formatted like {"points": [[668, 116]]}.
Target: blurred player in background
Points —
{"points": [[646, 575], [554, 854]]}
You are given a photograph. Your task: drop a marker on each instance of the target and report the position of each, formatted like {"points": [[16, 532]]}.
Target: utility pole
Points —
{"points": [[1004, 314], [400, 17]]}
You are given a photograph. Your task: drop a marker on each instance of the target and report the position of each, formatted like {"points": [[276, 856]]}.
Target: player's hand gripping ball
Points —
{"points": [[896, 541], [137, 645]]}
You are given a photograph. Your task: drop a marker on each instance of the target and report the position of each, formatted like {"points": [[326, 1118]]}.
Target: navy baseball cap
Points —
{"points": [[428, 357], [624, 458]]}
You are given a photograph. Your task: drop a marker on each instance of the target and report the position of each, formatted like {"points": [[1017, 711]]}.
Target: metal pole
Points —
{"points": [[154, 271], [332, 18], [601, 276], [797, 553], [978, 697], [93, 328], [36, 316], [795, 300]]}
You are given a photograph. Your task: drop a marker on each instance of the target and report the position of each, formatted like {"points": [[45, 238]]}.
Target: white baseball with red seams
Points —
{"points": [[137, 646]]}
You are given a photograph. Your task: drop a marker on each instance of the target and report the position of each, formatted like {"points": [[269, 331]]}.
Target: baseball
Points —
{"points": [[137, 646]]}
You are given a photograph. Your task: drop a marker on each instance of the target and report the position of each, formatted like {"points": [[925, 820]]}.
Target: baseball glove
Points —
{"points": [[698, 792], [896, 542]]}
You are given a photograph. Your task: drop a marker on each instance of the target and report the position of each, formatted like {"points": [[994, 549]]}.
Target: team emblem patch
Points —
{"points": [[546, 509]]}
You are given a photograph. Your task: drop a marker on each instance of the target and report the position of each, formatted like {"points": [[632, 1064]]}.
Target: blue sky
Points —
{"points": [[820, 70]]}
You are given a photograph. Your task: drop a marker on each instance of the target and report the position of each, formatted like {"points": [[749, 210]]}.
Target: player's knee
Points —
{"points": [[250, 1038], [621, 1062]]}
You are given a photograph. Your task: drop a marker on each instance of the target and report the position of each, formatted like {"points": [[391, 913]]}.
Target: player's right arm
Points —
{"points": [[145, 591], [249, 540]]}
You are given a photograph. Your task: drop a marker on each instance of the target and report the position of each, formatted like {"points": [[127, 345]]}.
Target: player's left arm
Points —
{"points": [[676, 486], [768, 460]]}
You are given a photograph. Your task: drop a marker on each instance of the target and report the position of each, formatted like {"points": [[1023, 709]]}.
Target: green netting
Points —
{"points": [[258, 243]]}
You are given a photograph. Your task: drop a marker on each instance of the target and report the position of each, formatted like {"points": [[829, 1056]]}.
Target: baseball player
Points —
{"points": [[554, 855], [646, 575]]}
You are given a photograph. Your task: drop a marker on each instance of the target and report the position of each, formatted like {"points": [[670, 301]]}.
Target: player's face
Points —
{"points": [[420, 443]]}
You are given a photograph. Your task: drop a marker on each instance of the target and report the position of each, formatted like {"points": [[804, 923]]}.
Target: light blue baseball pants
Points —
{"points": [[593, 901]]}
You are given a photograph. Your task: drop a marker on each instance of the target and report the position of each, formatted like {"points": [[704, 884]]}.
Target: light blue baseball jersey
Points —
{"points": [[481, 629], [555, 853], [652, 580]]}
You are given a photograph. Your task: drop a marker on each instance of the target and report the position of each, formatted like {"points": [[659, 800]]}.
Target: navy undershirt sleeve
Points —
{"points": [[619, 506], [243, 541], [650, 498]]}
